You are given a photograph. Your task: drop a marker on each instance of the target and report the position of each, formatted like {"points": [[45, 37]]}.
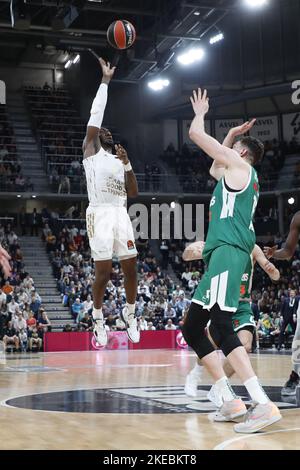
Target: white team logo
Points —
{"points": [[245, 277]]}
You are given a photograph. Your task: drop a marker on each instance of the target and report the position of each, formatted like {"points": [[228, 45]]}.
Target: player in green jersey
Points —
{"points": [[243, 321], [230, 241]]}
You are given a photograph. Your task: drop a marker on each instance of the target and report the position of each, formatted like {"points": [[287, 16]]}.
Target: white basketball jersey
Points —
{"points": [[105, 178]]}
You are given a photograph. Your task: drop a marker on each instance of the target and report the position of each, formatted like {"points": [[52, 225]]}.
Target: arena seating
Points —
{"points": [[11, 178], [60, 131], [21, 310], [192, 166], [161, 283]]}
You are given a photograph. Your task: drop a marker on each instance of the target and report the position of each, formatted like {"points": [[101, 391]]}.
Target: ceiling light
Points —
{"points": [[68, 64], [77, 59], [159, 84], [191, 56], [219, 37], [255, 3]]}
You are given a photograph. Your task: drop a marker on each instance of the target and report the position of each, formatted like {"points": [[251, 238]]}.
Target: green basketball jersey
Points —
{"points": [[246, 281], [231, 217]]}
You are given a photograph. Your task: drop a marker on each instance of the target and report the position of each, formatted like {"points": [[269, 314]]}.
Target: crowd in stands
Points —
{"points": [[276, 323], [23, 320], [192, 165], [60, 132], [152, 177], [165, 285], [11, 178], [192, 170], [161, 301]]}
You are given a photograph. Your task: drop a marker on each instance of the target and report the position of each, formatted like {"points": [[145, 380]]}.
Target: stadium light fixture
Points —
{"points": [[173, 205], [19, 195], [291, 201], [159, 84], [217, 38], [191, 56], [77, 59], [68, 64], [255, 3], [197, 13]]}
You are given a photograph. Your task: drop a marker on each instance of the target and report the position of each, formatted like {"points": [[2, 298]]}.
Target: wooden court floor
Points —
{"points": [[116, 400]]}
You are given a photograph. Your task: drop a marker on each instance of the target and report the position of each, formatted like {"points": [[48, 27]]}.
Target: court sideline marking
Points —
{"points": [[226, 443]]}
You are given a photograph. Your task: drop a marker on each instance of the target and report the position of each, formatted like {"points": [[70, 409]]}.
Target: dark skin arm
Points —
{"points": [[130, 178], [4, 262], [91, 144], [287, 252]]}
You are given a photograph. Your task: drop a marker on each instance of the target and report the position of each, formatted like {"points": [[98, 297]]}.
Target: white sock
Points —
{"points": [[223, 387], [256, 391], [197, 370], [131, 308], [97, 314]]}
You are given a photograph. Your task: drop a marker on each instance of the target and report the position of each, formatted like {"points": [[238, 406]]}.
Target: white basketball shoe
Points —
{"points": [[259, 417], [100, 333], [131, 325]]}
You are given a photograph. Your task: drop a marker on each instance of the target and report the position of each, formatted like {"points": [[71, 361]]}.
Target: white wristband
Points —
{"points": [[128, 167]]}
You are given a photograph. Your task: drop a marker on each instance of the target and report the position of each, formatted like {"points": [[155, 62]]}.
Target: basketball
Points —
{"points": [[121, 34]]}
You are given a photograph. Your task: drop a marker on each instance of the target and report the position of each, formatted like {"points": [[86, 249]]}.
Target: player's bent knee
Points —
{"points": [[221, 331], [194, 325]]}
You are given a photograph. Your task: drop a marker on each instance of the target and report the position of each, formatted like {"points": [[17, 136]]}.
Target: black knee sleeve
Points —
{"points": [[221, 330], [194, 330]]}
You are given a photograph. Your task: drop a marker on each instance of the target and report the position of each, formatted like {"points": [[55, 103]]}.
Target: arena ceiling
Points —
{"points": [[264, 43]]}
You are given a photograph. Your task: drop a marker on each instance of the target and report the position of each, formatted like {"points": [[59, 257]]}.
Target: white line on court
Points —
{"points": [[226, 443]]}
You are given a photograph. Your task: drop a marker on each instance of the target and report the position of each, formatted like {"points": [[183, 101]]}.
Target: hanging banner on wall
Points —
{"points": [[2, 92], [291, 126], [266, 128], [185, 131], [224, 125]]}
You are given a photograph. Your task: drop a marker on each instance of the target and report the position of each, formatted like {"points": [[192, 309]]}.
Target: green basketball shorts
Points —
{"points": [[221, 282]]}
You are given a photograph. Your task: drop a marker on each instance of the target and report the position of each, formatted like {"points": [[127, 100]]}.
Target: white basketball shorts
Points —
{"points": [[110, 233]]}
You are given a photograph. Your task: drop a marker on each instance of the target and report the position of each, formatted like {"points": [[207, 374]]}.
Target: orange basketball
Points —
{"points": [[121, 34]]}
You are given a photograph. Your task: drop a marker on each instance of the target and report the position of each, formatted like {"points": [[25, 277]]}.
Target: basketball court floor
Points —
{"points": [[128, 400]]}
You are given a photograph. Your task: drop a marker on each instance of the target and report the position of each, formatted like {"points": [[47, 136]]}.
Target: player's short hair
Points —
{"points": [[255, 148]]}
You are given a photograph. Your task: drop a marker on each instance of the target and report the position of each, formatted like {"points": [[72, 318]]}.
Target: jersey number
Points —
{"points": [[228, 204], [255, 201]]}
